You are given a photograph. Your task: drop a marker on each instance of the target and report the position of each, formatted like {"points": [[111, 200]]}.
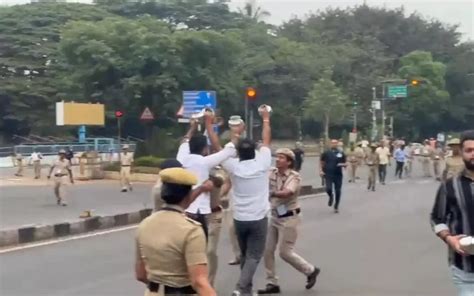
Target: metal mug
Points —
{"points": [[235, 120], [263, 107]]}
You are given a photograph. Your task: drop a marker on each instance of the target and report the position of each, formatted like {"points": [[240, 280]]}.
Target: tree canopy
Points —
{"points": [[136, 54]]}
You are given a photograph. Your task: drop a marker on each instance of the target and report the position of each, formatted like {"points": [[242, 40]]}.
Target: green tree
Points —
{"points": [[427, 101], [325, 102], [30, 64], [252, 11]]}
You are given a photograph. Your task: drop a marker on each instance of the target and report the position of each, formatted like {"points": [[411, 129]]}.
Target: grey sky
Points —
{"points": [[449, 11]]}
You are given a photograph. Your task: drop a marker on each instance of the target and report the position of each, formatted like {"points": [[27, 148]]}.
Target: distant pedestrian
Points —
{"points": [[19, 164], [409, 154], [454, 163], [126, 161], [299, 156], [69, 155], [452, 218], [437, 157], [372, 161], [360, 155], [384, 160], [36, 158], [62, 170], [353, 163], [331, 163], [426, 155], [400, 158]]}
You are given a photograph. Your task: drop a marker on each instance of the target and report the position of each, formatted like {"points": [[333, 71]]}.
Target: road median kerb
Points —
{"points": [[32, 233]]}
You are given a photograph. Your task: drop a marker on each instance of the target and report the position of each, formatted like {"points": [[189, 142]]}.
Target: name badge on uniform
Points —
{"points": [[281, 210], [339, 155]]}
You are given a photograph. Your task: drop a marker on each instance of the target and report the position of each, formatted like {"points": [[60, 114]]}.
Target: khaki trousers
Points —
{"points": [[284, 232], [59, 188], [425, 162], [229, 217], [214, 224], [372, 177], [353, 171], [437, 168], [19, 164], [37, 168], [125, 177]]}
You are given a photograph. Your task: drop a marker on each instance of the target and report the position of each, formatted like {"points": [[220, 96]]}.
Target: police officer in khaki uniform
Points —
{"points": [[62, 170], [283, 229], [19, 164], [353, 163], [426, 155], [171, 248], [360, 155], [454, 163], [372, 161], [156, 190], [437, 157], [126, 160], [214, 219]]}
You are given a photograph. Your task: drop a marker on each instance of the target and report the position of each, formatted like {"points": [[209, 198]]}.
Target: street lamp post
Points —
{"points": [[374, 117]]}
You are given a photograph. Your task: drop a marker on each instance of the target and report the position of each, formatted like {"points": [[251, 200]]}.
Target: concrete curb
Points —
{"points": [[33, 233]]}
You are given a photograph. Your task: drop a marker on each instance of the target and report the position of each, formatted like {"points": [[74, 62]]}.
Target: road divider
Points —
{"points": [[32, 233]]}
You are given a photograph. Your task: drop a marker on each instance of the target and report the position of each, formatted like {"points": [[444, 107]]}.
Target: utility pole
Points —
{"points": [[374, 117], [391, 126], [251, 96], [382, 106]]}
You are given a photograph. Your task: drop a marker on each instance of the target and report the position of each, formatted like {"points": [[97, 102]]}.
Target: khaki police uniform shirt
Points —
{"points": [[216, 197], [372, 159], [437, 154], [126, 159], [352, 156], [427, 151], [454, 166], [61, 167], [359, 153], [168, 242], [289, 180]]}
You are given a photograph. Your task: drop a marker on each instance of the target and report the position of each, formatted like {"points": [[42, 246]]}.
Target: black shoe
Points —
{"points": [[130, 188], [331, 200], [312, 278], [236, 261], [373, 189], [124, 190], [350, 181], [270, 289], [336, 211]]}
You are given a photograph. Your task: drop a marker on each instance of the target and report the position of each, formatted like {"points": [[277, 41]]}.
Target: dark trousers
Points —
{"points": [[399, 169], [382, 172], [336, 182], [201, 218], [251, 236]]}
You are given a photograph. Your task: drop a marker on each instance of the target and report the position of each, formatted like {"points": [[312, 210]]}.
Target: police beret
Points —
{"points": [[287, 152], [178, 176]]}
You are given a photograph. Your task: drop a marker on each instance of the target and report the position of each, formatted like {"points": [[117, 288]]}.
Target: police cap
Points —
{"points": [[287, 152], [178, 176], [454, 141]]}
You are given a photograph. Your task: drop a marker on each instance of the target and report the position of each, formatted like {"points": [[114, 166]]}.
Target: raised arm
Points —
{"points": [[213, 137], [266, 130]]}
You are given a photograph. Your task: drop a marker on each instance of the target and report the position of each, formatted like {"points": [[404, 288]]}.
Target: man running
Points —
{"points": [[331, 164]]}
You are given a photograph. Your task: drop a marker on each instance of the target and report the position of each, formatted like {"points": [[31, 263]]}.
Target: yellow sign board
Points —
{"points": [[80, 114]]}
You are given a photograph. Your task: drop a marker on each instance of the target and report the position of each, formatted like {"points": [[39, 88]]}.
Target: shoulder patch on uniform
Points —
{"points": [[193, 221], [294, 173]]}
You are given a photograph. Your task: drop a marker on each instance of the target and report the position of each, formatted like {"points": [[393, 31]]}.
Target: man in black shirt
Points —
{"points": [[299, 156], [331, 163], [452, 218]]}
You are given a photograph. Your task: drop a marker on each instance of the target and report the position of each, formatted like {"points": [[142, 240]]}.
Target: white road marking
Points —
{"points": [[62, 240]]}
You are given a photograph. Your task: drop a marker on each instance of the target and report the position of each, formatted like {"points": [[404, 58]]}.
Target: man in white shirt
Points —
{"points": [[194, 155], [36, 159], [249, 174], [384, 159]]}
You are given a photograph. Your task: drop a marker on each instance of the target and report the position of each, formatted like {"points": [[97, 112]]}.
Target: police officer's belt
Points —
{"points": [[154, 287], [60, 175], [290, 213], [125, 165]]}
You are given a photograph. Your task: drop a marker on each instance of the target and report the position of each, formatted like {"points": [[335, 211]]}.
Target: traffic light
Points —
{"points": [[354, 104], [251, 94], [416, 82], [118, 114]]}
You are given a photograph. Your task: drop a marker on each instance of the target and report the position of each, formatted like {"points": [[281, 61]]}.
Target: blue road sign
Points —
{"points": [[195, 101]]}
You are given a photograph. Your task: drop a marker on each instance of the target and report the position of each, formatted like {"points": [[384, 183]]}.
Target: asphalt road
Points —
{"points": [[380, 244], [24, 201]]}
